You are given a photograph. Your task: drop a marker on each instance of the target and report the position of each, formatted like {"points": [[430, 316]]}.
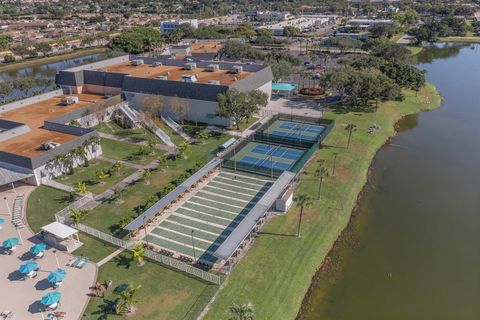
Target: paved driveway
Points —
{"points": [[23, 297]]}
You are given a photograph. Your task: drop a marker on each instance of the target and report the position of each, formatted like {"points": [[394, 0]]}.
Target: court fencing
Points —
{"points": [[63, 216]]}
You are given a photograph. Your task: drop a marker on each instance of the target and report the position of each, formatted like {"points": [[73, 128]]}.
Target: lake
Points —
{"points": [[414, 247]]}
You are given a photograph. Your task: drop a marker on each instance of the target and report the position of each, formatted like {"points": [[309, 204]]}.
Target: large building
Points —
{"points": [[180, 89], [172, 25]]}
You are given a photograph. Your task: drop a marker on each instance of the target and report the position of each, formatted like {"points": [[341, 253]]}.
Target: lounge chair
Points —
{"points": [[83, 262]]}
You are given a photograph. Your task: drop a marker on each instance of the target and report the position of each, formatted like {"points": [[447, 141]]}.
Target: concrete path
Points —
{"points": [[57, 185], [136, 141], [110, 257], [23, 297]]}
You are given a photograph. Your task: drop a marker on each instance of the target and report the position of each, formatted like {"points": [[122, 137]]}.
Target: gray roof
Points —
{"points": [[244, 228], [254, 81], [9, 175], [162, 203]]}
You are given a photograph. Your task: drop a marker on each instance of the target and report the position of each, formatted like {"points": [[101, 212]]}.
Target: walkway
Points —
{"points": [[22, 297], [110, 257], [57, 185]]}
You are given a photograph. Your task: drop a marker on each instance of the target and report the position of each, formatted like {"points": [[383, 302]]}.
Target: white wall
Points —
{"points": [[197, 110]]}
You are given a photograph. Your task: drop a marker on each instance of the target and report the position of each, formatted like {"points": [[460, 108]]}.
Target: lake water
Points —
{"points": [[47, 71], [414, 248]]}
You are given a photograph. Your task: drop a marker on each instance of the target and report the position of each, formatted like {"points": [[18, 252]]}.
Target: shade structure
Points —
{"points": [[51, 298], [56, 276], [10, 243], [2, 221], [28, 267], [38, 248]]}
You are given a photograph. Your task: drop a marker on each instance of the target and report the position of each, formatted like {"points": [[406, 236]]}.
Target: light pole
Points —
{"points": [[56, 258], [145, 229], [20, 237], [193, 246], [8, 207], [334, 163]]}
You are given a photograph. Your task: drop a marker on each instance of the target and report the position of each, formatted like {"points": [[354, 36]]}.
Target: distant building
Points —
{"points": [[304, 24], [171, 25], [264, 16]]}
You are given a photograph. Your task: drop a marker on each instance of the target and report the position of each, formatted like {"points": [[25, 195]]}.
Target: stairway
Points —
{"points": [[17, 212]]}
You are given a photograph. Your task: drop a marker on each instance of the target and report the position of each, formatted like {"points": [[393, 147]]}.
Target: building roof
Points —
{"points": [[34, 116], [9, 175], [59, 230]]}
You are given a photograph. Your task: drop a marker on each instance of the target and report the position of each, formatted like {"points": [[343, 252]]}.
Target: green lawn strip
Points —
{"points": [[42, 205], [94, 248], [165, 293], [233, 188], [415, 49], [125, 151], [203, 217], [277, 271], [88, 175], [238, 183], [473, 39], [188, 231], [195, 224], [107, 216], [222, 199], [212, 211], [222, 206], [137, 133]]}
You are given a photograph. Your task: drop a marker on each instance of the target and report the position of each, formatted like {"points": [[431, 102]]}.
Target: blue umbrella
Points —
{"points": [[10, 243], [56, 276], [36, 249], [28, 267], [51, 298], [2, 221]]}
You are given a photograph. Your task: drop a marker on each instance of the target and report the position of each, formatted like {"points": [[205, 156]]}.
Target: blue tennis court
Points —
{"points": [[278, 152], [293, 135], [302, 127], [264, 163]]}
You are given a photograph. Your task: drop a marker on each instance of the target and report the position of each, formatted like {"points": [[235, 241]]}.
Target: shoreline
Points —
{"points": [[331, 259], [51, 59]]}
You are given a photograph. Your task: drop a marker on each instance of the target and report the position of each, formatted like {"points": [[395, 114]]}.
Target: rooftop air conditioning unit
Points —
{"points": [[190, 66], [48, 145], [137, 62], [157, 64], [69, 100], [237, 69], [215, 82], [213, 67], [189, 78], [161, 78]]}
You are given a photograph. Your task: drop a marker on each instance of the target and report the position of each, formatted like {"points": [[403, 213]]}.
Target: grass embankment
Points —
{"points": [[472, 39], [51, 59], [415, 49], [165, 294], [276, 273]]}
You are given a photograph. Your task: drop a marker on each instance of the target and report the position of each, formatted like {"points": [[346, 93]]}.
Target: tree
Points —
{"points": [[263, 32], [127, 300], [8, 58], [350, 128], [290, 31], [383, 30], [245, 30], [80, 188], [203, 135], [5, 89], [240, 106], [320, 173], [117, 166], [137, 40], [139, 253], [76, 215], [183, 148], [302, 200], [243, 312], [43, 47], [23, 84], [235, 49], [102, 174], [5, 42], [145, 175], [125, 221]]}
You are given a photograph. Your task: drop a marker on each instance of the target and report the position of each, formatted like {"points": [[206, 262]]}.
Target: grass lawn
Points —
{"points": [[415, 49], [165, 294], [120, 150], [113, 128], [106, 217], [93, 248], [42, 205], [88, 175], [246, 124], [472, 39], [277, 271]]}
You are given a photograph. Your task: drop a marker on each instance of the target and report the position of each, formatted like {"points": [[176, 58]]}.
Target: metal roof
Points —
{"points": [[8, 175], [162, 203], [244, 228], [59, 230]]}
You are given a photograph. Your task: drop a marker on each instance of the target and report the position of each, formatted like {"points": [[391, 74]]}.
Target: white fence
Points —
{"points": [[185, 267], [63, 216], [103, 236]]}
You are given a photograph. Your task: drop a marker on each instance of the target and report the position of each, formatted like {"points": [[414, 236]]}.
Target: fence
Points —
{"points": [[185, 267], [103, 236], [63, 216]]}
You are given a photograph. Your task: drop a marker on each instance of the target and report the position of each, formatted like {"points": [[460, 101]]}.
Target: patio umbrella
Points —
{"points": [[56, 276], [10, 243], [28, 267], [51, 298], [39, 247], [2, 221]]}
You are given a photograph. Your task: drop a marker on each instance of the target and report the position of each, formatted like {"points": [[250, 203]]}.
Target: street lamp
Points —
{"points": [[145, 229], [193, 246], [8, 207], [56, 258], [334, 163]]}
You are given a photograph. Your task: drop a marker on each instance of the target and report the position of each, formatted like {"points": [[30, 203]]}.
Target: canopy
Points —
{"points": [[51, 298], [59, 230], [2, 221], [28, 267], [56, 276], [10, 243], [36, 249]]}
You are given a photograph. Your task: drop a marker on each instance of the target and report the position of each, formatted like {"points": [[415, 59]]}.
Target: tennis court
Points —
{"points": [[209, 216], [295, 130]]}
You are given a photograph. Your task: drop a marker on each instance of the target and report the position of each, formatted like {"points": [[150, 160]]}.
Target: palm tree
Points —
{"points": [[183, 148], [303, 200], [92, 144], [125, 221], [127, 300], [76, 216], [145, 175], [102, 174], [320, 173], [243, 312], [80, 188], [350, 128], [203, 135], [117, 166], [139, 253]]}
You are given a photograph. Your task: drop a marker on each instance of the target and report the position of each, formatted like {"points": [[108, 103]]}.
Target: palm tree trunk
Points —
{"points": [[319, 187], [300, 222], [349, 138]]}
